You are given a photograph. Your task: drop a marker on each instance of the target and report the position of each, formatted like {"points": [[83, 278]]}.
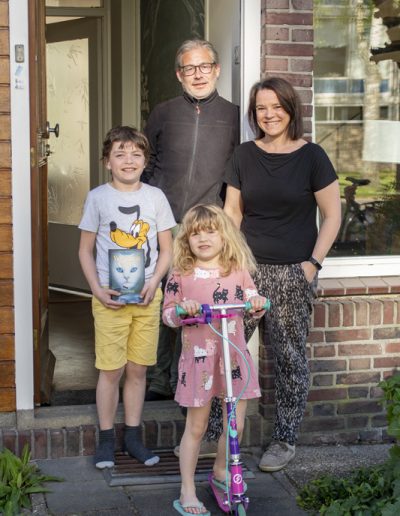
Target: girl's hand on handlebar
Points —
{"points": [[257, 303], [191, 307]]}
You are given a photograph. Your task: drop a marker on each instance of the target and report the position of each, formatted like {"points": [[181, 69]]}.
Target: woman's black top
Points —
{"points": [[279, 218]]}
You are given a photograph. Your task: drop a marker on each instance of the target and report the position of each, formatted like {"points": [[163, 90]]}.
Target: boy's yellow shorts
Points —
{"points": [[130, 333]]}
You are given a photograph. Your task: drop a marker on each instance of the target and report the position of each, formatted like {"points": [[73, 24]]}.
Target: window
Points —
{"points": [[357, 122]]}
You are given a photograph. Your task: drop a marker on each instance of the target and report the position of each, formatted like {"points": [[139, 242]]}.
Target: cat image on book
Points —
{"points": [[127, 274]]}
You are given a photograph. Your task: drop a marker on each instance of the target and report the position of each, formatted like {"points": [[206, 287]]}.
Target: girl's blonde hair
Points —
{"points": [[235, 253]]}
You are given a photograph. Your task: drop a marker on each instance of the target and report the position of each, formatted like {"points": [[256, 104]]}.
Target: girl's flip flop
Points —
{"points": [[180, 507]]}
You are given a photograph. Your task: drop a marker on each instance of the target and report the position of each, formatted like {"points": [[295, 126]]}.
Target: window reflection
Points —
{"points": [[357, 119]]}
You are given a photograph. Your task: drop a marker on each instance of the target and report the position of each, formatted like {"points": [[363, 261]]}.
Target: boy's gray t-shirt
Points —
{"points": [[126, 220]]}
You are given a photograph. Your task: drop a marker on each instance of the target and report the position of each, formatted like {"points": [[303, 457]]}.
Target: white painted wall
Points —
{"points": [[20, 141]]}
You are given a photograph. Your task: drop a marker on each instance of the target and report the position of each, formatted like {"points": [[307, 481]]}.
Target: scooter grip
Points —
{"points": [[181, 311], [266, 306]]}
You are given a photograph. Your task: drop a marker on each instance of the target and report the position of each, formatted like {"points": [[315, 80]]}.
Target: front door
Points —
{"points": [[44, 360], [73, 101]]}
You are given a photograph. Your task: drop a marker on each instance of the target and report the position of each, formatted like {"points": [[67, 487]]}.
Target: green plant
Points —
{"points": [[18, 479], [373, 491]]}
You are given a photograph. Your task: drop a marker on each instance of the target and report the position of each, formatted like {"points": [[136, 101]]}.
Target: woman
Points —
{"points": [[275, 184]]}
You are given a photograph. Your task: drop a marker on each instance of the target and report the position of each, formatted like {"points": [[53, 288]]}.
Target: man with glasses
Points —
{"points": [[191, 137]]}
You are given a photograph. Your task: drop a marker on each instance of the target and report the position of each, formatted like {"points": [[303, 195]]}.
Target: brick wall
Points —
{"points": [[354, 343], [287, 46], [7, 365]]}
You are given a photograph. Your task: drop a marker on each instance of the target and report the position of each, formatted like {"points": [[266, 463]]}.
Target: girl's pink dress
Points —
{"points": [[201, 364]]}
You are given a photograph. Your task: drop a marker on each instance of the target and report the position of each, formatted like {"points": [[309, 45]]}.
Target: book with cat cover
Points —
{"points": [[127, 273]]}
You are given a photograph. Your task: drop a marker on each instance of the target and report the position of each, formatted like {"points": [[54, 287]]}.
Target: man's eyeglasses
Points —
{"points": [[191, 69]]}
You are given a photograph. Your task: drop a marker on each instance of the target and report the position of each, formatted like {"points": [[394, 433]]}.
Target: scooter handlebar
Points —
{"points": [[245, 306]]}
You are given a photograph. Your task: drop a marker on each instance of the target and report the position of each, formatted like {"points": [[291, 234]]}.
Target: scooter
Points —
{"points": [[233, 499]]}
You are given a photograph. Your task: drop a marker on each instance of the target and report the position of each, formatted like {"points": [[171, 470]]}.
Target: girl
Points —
{"points": [[211, 265]]}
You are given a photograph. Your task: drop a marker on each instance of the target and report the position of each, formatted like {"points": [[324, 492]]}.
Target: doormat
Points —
{"points": [[128, 471]]}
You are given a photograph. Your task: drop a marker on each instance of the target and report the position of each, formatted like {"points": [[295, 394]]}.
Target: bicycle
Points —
{"points": [[357, 218], [233, 499]]}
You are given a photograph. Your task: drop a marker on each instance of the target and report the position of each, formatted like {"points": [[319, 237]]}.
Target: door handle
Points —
{"points": [[55, 130]]}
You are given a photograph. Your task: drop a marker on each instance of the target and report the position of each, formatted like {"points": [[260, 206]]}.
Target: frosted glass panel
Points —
{"points": [[68, 105], [74, 3]]}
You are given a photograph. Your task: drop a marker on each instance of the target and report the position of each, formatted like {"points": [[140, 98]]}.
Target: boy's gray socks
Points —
{"points": [[134, 446], [104, 456]]}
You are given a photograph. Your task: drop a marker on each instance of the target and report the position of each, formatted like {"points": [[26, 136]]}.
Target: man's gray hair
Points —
{"points": [[191, 44]]}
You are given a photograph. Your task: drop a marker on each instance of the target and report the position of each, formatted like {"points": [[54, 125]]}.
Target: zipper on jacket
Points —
{"points": [[190, 170]]}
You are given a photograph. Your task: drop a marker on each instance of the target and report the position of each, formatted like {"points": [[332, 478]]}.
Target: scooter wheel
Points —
{"points": [[240, 510]]}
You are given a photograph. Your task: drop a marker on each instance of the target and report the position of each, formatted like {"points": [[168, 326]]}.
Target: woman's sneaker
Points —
{"points": [[277, 456]]}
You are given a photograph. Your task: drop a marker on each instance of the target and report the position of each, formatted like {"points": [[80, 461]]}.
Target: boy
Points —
{"points": [[125, 213]]}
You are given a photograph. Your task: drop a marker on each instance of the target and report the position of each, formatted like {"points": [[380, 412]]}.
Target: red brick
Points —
{"points": [[301, 65], [277, 4], [307, 111], [319, 366], [327, 424], [361, 313], [267, 397], [387, 362], [322, 380], [88, 439], [150, 434], [319, 315], [324, 409], [316, 337], [287, 49], [359, 349], [302, 5], [289, 18], [57, 444], [267, 382], [276, 33], [348, 313], [347, 335], [360, 363], [40, 444], [375, 312], [10, 440], [324, 351], [72, 442], [388, 311], [352, 378], [303, 35], [334, 309], [359, 407], [357, 422], [392, 347], [166, 430], [375, 392], [358, 392], [386, 333], [24, 437], [306, 96], [280, 65], [327, 394]]}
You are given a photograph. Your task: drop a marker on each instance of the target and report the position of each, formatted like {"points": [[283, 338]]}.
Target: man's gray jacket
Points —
{"points": [[191, 140]]}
